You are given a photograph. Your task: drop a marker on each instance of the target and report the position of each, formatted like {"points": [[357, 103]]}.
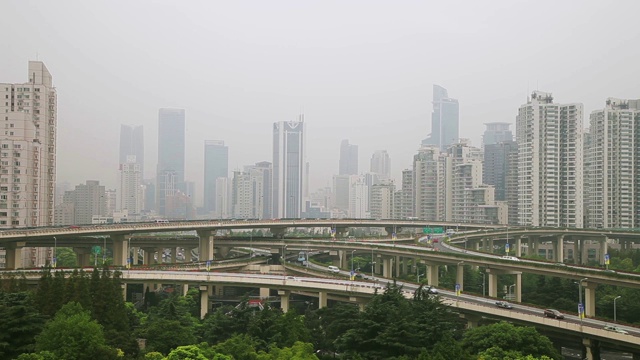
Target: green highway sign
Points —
{"points": [[96, 250], [435, 230]]}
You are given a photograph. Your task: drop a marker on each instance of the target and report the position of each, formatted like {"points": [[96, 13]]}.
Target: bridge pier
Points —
{"points": [[361, 302], [519, 246], [322, 299], [590, 299], [386, 267], [278, 231], [576, 251], [493, 283], [460, 276], [13, 255], [204, 300], [120, 250], [205, 250], [432, 274], [472, 320], [284, 300], [83, 256], [558, 251], [397, 266], [604, 249], [148, 255], [264, 293], [590, 349]]}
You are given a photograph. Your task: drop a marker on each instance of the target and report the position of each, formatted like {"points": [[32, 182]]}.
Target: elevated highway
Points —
{"points": [[359, 292]]}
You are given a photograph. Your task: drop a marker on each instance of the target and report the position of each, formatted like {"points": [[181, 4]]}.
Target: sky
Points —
{"points": [[358, 70]]}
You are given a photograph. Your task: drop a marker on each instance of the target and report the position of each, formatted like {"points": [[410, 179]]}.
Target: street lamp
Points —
{"points": [[615, 314], [483, 282], [54, 261], [581, 307]]}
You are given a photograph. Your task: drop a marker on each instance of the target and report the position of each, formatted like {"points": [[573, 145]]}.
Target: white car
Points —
{"points": [[512, 258], [334, 269], [615, 329]]}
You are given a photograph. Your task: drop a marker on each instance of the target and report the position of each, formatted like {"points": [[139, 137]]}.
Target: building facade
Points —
{"points": [[131, 196], [171, 156], [445, 120], [381, 164], [289, 168], [216, 165], [132, 144], [612, 188], [348, 158], [550, 158]]}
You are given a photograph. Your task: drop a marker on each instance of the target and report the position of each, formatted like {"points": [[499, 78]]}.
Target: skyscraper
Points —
{"points": [[132, 143], [29, 111], [288, 168], [216, 165], [131, 186], [348, 158], [381, 164], [497, 132], [549, 138], [612, 196], [445, 120], [171, 149]]}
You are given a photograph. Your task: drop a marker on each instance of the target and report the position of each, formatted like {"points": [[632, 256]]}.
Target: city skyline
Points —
{"points": [[353, 79]]}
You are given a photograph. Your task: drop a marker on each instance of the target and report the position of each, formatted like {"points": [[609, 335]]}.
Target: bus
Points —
{"points": [[302, 256]]}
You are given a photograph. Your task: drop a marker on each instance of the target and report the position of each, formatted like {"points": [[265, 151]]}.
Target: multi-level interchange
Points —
{"points": [[556, 187]]}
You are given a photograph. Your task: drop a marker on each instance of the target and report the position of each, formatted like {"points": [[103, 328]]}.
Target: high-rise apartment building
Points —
{"points": [[28, 147], [348, 158], [131, 196], [341, 191], [404, 198], [431, 176], [500, 169], [132, 144], [358, 198], [612, 188], [445, 120], [550, 156], [381, 164], [84, 202], [381, 201], [171, 155], [497, 132], [216, 165], [289, 168], [247, 195]]}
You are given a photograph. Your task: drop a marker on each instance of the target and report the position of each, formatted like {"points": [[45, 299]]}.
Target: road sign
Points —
{"points": [[128, 263], [96, 250], [333, 232], [393, 236], [581, 310], [506, 248], [457, 289], [606, 259], [208, 265], [54, 262]]}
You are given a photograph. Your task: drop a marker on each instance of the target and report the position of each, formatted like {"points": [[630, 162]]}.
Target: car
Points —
{"points": [[435, 241], [554, 314], [512, 258], [432, 290], [360, 276], [504, 305], [334, 269], [615, 329]]}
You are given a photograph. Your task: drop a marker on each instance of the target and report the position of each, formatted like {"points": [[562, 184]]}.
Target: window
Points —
{"points": [[15, 222], [4, 188], [16, 163], [5, 146], [3, 213]]}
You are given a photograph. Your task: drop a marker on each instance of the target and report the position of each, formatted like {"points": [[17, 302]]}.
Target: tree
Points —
{"points": [[240, 347], [507, 337], [73, 335], [20, 323], [298, 351]]}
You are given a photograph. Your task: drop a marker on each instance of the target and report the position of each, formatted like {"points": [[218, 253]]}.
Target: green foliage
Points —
{"points": [[153, 355], [73, 335], [189, 352], [66, 258], [42, 355], [299, 351], [507, 337], [240, 347], [20, 323], [327, 324]]}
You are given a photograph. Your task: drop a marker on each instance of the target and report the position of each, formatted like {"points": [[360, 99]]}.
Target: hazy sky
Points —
{"points": [[359, 70]]}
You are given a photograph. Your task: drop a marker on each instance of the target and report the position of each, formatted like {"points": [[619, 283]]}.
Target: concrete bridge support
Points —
{"points": [[558, 250], [284, 300], [123, 287], [264, 293], [460, 276], [204, 300], [120, 250], [432, 274], [205, 250], [322, 299], [386, 267], [472, 320], [361, 302], [149, 255], [518, 246], [278, 231], [493, 284], [83, 256], [604, 249], [590, 349], [13, 256], [589, 298], [341, 232], [576, 251]]}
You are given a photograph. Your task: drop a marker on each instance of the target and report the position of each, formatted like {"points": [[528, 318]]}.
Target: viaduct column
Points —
{"points": [[386, 267], [590, 299], [460, 276], [603, 249], [205, 251], [559, 249], [519, 246], [284, 300], [432, 274], [83, 256], [13, 255], [591, 349], [120, 250], [322, 299], [204, 300]]}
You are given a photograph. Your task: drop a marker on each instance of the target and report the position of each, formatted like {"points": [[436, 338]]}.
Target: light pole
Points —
{"points": [[615, 314], [511, 287], [352, 274], [581, 308], [54, 261], [104, 250], [483, 282]]}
